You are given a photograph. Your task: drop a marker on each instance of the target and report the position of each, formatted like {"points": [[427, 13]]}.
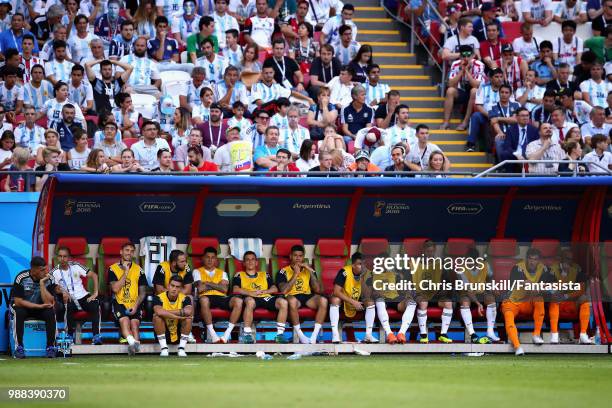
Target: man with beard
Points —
{"points": [[145, 78], [105, 89]]}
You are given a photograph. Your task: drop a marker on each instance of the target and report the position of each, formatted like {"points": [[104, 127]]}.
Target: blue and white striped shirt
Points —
{"points": [[59, 70], [37, 96], [376, 93]]}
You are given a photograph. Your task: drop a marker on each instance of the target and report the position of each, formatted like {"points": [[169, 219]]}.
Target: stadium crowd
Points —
{"points": [[255, 85], [359, 291]]}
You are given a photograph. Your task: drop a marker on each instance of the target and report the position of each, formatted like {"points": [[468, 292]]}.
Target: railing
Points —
{"points": [[414, 36], [574, 173]]}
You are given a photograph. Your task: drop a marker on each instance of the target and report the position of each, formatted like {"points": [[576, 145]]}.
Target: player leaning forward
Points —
{"points": [[129, 285], [300, 285], [172, 318]]}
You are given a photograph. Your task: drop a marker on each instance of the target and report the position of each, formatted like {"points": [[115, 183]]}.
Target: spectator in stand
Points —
{"points": [[466, 75], [51, 162], [7, 145], [527, 46], [60, 33], [609, 107], [293, 136], [360, 63], [601, 46], [420, 152], [595, 90], [164, 50], [144, 19], [230, 90], [214, 130], [126, 116], [286, 71], [341, 88], [256, 134], [197, 162], [331, 33], [79, 41], [453, 14], [28, 134], [401, 131], [283, 160], [80, 92], [223, 21], [513, 144], [145, 150], [181, 129], [145, 76], [103, 119], [187, 24], [11, 95], [123, 43], [213, 63], [347, 48], [597, 125], [320, 11], [106, 88], [5, 14], [235, 155], [307, 157], [560, 126], [201, 112], [562, 82], [51, 140], [582, 71], [164, 161], [594, 9], [110, 146], [290, 27], [68, 126], [325, 166], [238, 119], [195, 41], [450, 51], [27, 60], [13, 37], [542, 113], [486, 96], [599, 154], [242, 10], [356, 115], [376, 92], [108, 25], [362, 163], [470, 7], [568, 48], [600, 22], [59, 68], [96, 162], [400, 164], [333, 141], [503, 113], [250, 67], [575, 111], [304, 49], [232, 51], [265, 155], [12, 62], [279, 119], [506, 11], [265, 92], [531, 94], [437, 164], [385, 113], [259, 28], [127, 163], [323, 69], [544, 148], [537, 11], [195, 139], [574, 153], [545, 65], [192, 97], [322, 114], [488, 17], [573, 10], [77, 155], [491, 48], [18, 161]]}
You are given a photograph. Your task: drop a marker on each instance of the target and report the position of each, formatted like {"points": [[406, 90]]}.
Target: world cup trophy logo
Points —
{"points": [[69, 207], [378, 208]]}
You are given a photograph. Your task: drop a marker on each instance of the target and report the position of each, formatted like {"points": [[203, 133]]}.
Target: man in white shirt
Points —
{"points": [[223, 21], [575, 10], [537, 11], [68, 275], [560, 126], [330, 33], [236, 154], [145, 77], [145, 151], [595, 90], [531, 94], [320, 9], [79, 42], [59, 68], [568, 48], [599, 154], [486, 96], [341, 87], [80, 91], [597, 125], [214, 64], [401, 131], [422, 149], [450, 51], [28, 134], [544, 149], [527, 46], [291, 138], [259, 28]]}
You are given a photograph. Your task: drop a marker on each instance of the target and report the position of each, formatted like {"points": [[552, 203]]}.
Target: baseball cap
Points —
{"points": [[362, 154], [507, 47], [167, 105], [466, 50], [232, 128], [7, 3]]}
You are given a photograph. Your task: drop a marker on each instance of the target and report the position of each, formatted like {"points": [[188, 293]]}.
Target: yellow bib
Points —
{"points": [[172, 324], [352, 288], [128, 294], [216, 278], [519, 295], [386, 277], [571, 273], [302, 283], [430, 274], [252, 283], [168, 272]]}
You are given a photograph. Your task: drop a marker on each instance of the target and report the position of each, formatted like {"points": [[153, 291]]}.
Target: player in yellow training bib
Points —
{"points": [[257, 290], [300, 285], [348, 294], [129, 284], [570, 302], [212, 284], [173, 317]]}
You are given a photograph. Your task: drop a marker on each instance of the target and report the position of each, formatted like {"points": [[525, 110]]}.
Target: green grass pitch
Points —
{"points": [[344, 381]]}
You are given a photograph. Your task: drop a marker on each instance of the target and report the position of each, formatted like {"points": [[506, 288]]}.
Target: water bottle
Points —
{"points": [[597, 339], [20, 184]]}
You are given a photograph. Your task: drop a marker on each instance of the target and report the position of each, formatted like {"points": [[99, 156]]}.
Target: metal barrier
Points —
{"points": [[574, 173]]}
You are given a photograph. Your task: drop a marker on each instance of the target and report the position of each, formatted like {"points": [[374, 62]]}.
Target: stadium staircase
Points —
{"points": [[400, 70]]}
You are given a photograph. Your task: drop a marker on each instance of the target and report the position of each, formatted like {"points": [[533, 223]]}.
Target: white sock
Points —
{"points": [[300, 334], [228, 331], [280, 328], [370, 315], [315, 333], [248, 329], [466, 315], [407, 317], [383, 316], [162, 341], [491, 316], [334, 317], [130, 339], [422, 319], [183, 340], [211, 332], [447, 316]]}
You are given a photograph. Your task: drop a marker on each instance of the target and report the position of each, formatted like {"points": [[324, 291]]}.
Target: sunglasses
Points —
{"points": [[466, 54]]}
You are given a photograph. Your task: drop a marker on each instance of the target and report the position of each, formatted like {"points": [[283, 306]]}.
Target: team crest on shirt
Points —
{"points": [[355, 293], [255, 286]]}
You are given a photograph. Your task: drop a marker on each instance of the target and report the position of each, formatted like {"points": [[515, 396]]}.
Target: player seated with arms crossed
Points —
{"points": [[176, 265], [521, 301], [348, 292], [301, 287], [212, 284], [257, 289], [173, 316], [129, 285], [570, 302]]}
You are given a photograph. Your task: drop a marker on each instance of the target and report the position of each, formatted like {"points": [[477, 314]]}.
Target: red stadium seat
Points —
{"points": [[549, 249], [413, 246], [512, 30], [108, 254], [350, 147], [77, 245], [129, 141], [459, 246], [280, 253], [502, 257], [372, 248], [196, 248], [330, 256]]}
